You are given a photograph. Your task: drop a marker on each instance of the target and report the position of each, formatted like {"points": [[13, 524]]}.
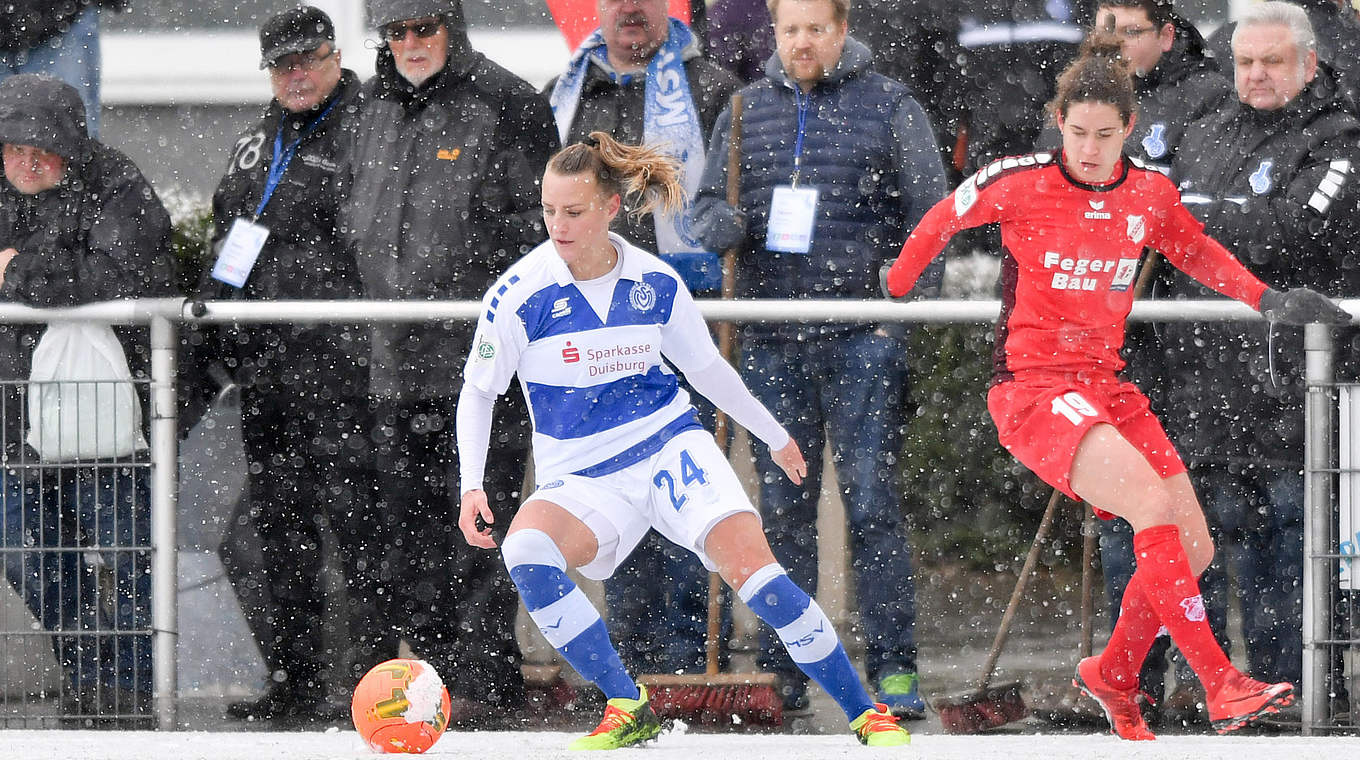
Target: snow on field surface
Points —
{"points": [[337, 745]]}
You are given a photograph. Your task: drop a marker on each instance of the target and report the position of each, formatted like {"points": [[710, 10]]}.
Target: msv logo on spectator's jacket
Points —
{"points": [[1154, 142], [1260, 179]]}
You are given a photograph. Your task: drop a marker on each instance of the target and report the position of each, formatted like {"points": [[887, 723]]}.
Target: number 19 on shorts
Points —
{"points": [[1072, 406]]}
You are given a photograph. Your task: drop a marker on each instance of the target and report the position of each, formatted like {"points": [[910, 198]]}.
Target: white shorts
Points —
{"points": [[683, 490]]}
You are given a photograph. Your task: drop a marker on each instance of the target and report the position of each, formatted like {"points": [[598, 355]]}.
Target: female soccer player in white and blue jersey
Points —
{"points": [[585, 320]]}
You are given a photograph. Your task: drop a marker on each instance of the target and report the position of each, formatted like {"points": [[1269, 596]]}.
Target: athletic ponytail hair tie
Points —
{"points": [[592, 141]]}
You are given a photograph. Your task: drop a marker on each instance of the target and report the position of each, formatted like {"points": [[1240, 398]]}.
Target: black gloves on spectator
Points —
{"points": [[1301, 306]]}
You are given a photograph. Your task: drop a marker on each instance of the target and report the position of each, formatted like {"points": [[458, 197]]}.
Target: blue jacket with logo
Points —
{"points": [[868, 150]]}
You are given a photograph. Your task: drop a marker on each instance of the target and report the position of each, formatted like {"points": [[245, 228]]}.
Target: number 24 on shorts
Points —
{"points": [[1072, 406], [690, 473]]}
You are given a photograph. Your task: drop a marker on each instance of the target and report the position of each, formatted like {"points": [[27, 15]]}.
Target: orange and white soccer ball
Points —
{"points": [[400, 706]]}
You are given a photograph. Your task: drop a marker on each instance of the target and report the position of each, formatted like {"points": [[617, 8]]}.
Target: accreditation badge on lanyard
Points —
{"points": [[793, 209], [246, 238], [239, 251]]}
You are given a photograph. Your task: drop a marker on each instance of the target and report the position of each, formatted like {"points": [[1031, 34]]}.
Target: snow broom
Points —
{"points": [[712, 698], [991, 706]]}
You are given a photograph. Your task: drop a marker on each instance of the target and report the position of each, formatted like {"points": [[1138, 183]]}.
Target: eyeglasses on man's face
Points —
{"points": [[1133, 32], [423, 29], [302, 61]]}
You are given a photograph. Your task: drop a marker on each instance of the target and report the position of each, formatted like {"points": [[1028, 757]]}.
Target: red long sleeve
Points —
{"points": [[1071, 253], [1187, 247]]}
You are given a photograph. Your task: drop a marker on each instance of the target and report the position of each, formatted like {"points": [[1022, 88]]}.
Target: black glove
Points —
{"points": [[1301, 306]]}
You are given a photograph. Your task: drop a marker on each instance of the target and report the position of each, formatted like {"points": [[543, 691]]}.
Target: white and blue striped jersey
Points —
{"points": [[599, 394]]}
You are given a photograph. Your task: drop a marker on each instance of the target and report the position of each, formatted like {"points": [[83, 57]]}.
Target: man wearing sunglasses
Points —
{"points": [[302, 397], [442, 197]]}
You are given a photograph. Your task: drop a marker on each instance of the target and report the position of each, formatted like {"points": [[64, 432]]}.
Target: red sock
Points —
{"points": [[1133, 635], [1164, 577]]}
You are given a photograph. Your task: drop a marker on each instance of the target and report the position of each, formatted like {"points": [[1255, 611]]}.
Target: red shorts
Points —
{"points": [[1042, 417]]}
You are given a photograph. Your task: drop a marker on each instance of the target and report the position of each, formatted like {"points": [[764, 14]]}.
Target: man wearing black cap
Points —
{"points": [[78, 223], [303, 399], [443, 196]]}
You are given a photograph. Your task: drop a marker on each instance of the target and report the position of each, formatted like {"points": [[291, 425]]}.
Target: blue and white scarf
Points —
{"points": [[670, 119]]}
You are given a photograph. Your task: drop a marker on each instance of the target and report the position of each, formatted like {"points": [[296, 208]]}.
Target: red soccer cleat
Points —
{"points": [[1120, 705], [1242, 700]]}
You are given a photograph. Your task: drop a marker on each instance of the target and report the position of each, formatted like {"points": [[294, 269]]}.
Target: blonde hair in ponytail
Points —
{"points": [[641, 172]]}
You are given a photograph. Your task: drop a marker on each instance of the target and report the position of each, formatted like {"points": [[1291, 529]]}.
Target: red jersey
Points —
{"points": [[1071, 256]]}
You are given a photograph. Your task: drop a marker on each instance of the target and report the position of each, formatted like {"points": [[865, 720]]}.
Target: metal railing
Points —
{"points": [[1322, 551]]}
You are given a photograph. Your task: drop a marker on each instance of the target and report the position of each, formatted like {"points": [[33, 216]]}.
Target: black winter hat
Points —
{"points": [[294, 31], [44, 112], [383, 12]]}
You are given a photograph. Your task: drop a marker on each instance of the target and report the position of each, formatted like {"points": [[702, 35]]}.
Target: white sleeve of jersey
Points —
{"points": [[491, 364], [496, 349], [723, 386], [685, 339], [473, 435]]}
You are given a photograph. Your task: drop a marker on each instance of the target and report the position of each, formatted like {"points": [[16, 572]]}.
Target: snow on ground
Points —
{"points": [[345, 745]]}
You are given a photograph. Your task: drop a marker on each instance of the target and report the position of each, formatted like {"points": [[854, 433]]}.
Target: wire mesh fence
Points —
{"points": [[75, 544], [89, 541]]}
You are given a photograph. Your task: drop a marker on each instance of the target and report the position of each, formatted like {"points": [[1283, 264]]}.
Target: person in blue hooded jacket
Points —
{"points": [[839, 163]]}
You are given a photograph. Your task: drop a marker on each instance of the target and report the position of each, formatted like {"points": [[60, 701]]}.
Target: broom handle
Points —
{"points": [[1088, 581], [1089, 529], [1031, 560], [726, 345]]}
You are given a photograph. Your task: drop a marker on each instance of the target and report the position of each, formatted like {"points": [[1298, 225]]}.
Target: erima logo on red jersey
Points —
{"points": [[570, 354]]}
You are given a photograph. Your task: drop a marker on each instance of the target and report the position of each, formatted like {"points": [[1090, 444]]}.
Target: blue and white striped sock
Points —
{"points": [[807, 634], [563, 613]]}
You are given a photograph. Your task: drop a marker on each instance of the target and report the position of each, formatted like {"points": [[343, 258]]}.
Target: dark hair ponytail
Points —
{"points": [[643, 172], [1098, 75]]}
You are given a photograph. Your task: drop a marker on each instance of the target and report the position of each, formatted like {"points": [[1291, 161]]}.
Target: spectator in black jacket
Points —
{"points": [[916, 42], [1011, 52], [303, 399], [56, 38], [619, 81], [442, 171], [1273, 176], [1338, 43], [78, 223]]}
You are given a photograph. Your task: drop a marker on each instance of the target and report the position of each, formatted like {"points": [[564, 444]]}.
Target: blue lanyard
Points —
{"points": [[804, 102], [278, 164]]}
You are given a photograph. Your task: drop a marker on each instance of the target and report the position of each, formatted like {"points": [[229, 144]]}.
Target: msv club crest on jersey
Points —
{"points": [[1137, 228], [1260, 179], [1154, 142], [642, 297]]}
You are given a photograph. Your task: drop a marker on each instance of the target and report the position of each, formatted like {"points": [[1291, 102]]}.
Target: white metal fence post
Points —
{"points": [[164, 493], [1319, 466]]}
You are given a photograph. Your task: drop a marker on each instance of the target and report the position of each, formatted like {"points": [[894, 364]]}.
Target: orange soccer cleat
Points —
{"points": [[1120, 705], [1242, 700]]}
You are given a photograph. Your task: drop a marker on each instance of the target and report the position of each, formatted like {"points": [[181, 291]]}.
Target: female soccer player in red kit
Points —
{"points": [[1074, 227]]}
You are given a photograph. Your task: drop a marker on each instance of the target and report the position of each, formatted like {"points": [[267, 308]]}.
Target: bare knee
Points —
{"points": [[738, 548]]}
